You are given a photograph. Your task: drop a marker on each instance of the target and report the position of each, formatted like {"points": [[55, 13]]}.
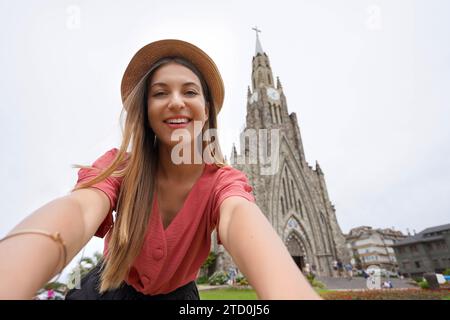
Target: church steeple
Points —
{"points": [[261, 71]]}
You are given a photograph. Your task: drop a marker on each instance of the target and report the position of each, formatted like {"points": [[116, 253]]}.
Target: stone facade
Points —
{"points": [[427, 251], [291, 193]]}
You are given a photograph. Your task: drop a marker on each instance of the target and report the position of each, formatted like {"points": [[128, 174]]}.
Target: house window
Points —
{"points": [[436, 263], [417, 263]]}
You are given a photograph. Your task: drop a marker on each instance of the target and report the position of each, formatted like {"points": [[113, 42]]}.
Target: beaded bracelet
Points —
{"points": [[54, 236]]}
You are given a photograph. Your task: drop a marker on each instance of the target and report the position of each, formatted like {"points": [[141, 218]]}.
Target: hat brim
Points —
{"points": [[152, 52]]}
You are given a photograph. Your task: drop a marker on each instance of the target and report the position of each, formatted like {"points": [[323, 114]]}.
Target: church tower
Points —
{"points": [[293, 196]]}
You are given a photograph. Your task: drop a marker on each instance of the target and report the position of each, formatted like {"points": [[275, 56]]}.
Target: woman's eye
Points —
{"points": [[158, 94], [192, 93]]}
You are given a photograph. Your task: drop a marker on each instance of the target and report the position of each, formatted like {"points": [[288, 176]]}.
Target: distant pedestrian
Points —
{"points": [[387, 284], [364, 274], [313, 270], [232, 276], [307, 270], [335, 268], [349, 271], [340, 267]]}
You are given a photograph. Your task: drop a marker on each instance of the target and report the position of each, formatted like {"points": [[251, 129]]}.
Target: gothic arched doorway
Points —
{"points": [[295, 249]]}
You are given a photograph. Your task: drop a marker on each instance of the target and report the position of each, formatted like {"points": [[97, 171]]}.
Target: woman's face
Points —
{"points": [[175, 101]]}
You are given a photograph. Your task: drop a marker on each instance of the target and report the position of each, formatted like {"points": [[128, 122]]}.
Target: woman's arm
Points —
{"points": [[260, 253], [28, 262]]}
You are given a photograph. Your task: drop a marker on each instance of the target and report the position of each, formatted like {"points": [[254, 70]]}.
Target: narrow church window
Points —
{"points": [[292, 193], [300, 208], [322, 218], [268, 76], [272, 113], [279, 114], [285, 193], [282, 206], [247, 145]]}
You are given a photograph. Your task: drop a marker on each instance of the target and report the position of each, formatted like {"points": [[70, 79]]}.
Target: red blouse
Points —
{"points": [[172, 257]]}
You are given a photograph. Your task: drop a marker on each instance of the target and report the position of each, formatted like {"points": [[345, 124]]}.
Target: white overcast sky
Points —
{"points": [[369, 81]]}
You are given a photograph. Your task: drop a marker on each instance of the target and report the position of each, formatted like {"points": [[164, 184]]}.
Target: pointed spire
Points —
{"points": [[249, 93], [258, 43], [318, 169], [279, 86]]}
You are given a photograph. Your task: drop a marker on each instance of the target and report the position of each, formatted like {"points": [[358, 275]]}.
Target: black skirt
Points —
{"points": [[90, 284]]}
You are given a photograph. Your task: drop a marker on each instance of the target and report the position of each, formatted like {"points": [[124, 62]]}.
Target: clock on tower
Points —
{"points": [[273, 94]]}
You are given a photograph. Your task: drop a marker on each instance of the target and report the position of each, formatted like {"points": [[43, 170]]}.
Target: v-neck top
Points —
{"points": [[156, 201], [172, 257]]}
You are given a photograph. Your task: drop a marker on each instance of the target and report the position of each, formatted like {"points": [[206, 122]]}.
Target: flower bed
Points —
{"points": [[389, 294]]}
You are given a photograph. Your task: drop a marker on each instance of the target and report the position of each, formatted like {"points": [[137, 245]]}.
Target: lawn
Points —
{"points": [[392, 294], [228, 294]]}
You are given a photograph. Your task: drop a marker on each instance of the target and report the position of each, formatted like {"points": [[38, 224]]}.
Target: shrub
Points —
{"points": [[241, 280], [447, 272], [317, 284], [202, 280], [310, 277], [218, 277], [212, 256], [313, 282], [418, 279], [392, 294], [424, 284]]}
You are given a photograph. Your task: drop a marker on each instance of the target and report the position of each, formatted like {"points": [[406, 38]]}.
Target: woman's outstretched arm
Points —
{"points": [[28, 262], [259, 252]]}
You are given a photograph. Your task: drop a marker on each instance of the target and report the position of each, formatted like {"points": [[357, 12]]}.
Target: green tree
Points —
{"points": [[209, 265]]}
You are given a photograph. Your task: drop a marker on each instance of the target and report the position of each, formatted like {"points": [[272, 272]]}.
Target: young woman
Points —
{"points": [[170, 190]]}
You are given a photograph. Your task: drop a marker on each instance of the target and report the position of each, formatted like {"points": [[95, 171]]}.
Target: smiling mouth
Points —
{"points": [[177, 121]]}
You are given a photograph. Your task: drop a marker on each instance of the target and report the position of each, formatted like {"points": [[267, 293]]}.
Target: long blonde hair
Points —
{"points": [[138, 171]]}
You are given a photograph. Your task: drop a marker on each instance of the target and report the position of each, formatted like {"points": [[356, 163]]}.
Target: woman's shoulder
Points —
{"points": [[108, 157], [227, 175], [227, 171]]}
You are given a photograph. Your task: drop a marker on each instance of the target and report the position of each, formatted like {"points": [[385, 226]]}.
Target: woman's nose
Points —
{"points": [[176, 101]]}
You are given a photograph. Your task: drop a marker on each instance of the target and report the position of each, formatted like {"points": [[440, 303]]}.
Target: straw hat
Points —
{"points": [[152, 52]]}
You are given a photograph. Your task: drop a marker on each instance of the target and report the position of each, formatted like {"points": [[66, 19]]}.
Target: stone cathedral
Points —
{"points": [[294, 198]]}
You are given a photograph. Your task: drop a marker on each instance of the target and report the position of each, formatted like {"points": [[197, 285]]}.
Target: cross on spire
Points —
{"points": [[256, 29], [258, 44]]}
